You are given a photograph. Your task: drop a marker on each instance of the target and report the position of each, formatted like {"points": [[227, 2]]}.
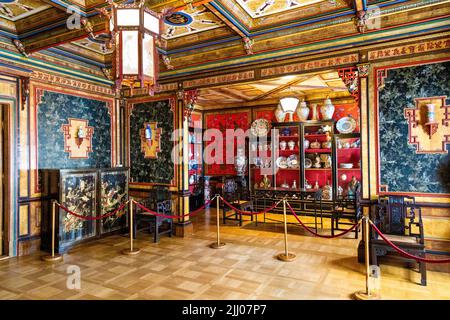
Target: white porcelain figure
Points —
{"points": [[291, 144], [283, 145], [240, 162], [294, 185], [327, 110], [280, 114], [306, 143], [302, 111]]}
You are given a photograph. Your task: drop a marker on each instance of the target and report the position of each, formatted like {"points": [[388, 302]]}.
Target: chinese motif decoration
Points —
{"points": [[77, 138], [79, 196], [428, 125], [113, 193], [222, 122], [351, 80], [151, 140]]}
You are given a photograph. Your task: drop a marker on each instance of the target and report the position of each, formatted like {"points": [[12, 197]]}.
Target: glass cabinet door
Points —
{"points": [[260, 163], [286, 157], [317, 162], [348, 151]]}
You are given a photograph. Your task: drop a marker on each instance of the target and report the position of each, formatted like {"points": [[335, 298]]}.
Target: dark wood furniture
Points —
{"points": [[86, 192], [348, 208], [159, 201], [400, 219], [234, 190]]}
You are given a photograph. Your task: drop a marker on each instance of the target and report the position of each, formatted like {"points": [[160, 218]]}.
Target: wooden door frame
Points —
{"points": [[8, 201]]}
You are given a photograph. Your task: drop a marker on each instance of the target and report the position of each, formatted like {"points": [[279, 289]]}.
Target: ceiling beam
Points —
{"points": [[61, 35], [360, 5], [225, 20]]}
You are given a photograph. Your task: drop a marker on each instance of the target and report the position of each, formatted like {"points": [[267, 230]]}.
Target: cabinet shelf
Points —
{"points": [[320, 169], [315, 136], [317, 150]]}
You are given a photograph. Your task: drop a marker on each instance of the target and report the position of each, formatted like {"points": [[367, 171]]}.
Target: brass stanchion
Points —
{"points": [[285, 256], [131, 251], [367, 295], [218, 244], [54, 257]]}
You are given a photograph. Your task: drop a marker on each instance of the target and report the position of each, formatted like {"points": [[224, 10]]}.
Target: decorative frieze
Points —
{"points": [[310, 65], [432, 45], [79, 85], [226, 78]]}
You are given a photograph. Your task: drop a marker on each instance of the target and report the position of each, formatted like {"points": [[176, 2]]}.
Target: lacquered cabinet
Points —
{"points": [[86, 192]]}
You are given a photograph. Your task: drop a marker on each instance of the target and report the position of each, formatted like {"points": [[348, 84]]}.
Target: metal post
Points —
{"points": [[218, 244], [53, 257], [368, 295], [286, 256], [131, 251]]}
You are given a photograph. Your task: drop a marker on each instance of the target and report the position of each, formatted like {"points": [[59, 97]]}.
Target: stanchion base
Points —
{"points": [[362, 295], [216, 245], [287, 258], [130, 252], [50, 258]]}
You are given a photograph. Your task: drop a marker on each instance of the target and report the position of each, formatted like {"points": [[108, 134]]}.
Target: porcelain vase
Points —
{"points": [[280, 115], [327, 110], [303, 111], [315, 115]]}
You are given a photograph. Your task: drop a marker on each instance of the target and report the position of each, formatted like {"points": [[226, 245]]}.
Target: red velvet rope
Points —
{"points": [[92, 218], [404, 253], [193, 213], [319, 235], [249, 213]]}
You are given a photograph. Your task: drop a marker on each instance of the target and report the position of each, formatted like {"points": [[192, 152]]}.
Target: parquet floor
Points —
{"points": [[186, 268]]}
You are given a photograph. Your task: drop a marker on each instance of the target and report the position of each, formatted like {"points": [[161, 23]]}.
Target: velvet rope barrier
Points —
{"points": [[93, 218], [404, 253], [319, 235], [249, 213], [192, 213]]}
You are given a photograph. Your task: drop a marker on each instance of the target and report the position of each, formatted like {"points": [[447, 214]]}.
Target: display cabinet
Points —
{"points": [[318, 156], [195, 165], [86, 192], [303, 157]]}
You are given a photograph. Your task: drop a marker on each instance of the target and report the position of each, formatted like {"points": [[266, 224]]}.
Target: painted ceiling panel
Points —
{"points": [[190, 21], [14, 10], [260, 8]]}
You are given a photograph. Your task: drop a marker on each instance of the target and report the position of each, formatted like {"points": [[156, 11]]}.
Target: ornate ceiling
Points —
{"points": [[212, 35], [315, 86]]}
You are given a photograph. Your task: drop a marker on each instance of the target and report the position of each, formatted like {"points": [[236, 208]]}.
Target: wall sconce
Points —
{"points": [[79, 136], [431, 123], [148, 135]]}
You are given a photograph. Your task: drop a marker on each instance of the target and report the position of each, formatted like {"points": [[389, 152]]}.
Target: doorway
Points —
{"points": [[3, 177]]}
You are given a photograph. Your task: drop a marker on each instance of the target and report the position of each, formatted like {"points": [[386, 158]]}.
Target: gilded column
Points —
{"points": [[184, 225], [363, 73]]}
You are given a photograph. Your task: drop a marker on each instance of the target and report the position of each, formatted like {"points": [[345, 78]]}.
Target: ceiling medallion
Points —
{"points": [[178, 19]]}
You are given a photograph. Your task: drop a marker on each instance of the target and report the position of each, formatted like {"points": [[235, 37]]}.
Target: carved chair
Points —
{"points": [[400, 219], [159, 200], [349, 208], [236, 193]]}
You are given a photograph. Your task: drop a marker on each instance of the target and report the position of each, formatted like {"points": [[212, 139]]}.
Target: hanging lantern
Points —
{"points": [[134, 29]]}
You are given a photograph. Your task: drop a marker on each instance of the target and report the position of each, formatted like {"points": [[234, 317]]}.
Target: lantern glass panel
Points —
{"points": [[148, 56], [151, 23], [130, 53], [128, 17]]}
